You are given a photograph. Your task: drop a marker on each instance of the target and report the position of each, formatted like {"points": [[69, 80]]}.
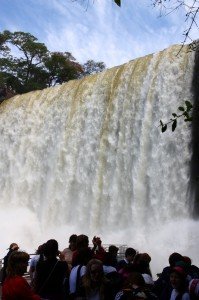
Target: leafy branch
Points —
{"points": [[185, 112]]}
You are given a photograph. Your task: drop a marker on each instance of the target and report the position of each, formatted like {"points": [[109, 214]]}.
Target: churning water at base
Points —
{"points": [[88, 157]]}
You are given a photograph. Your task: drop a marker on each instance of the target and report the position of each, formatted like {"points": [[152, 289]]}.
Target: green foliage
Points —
{"points": [[118, 2], [36, 67], [92, 67], [186, 113], [62, 67]]}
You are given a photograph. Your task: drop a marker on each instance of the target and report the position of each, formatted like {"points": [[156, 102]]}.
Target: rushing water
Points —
{"points": [[88, 157]]}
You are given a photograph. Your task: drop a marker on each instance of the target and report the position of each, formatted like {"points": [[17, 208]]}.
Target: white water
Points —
{"points": [[88, 157]]}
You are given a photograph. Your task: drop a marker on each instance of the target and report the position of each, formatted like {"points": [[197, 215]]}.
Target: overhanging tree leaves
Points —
{"points": [[186, 113], [118, 2]]}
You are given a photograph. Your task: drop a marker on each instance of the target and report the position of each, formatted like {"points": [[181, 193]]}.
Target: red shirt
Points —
{"points": [[17, 288]]}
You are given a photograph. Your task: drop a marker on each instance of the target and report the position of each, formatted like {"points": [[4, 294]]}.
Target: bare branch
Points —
{"points": [[170, 6]]}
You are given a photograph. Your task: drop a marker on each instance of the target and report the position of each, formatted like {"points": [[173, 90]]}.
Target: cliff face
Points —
{"points": [[194, 183]]}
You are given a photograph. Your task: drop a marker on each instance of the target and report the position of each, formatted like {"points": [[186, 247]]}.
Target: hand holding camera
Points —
{"points": [[96, 241]]}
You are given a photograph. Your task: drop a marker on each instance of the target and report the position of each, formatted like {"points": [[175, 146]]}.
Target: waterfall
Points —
{"points": [[88, 157]]}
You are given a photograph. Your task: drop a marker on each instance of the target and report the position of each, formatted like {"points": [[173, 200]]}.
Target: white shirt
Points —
{"points": [[175, 293], [73, 277]]}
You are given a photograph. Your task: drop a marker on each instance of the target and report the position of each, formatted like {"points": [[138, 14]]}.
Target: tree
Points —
{"points": [[92, 67], [18, 73], [62, 67], [36, 67]]}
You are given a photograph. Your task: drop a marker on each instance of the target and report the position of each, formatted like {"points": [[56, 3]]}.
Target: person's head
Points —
{"points": [[130, 254], [94, 270], [94, 277], [145, 257], [72, 242], [134, 280], [174, 257], [178, 278], [40, 249], [51, 249], [17, 263], [82, 242], [96, 241], [187, 260], [13, 246], [113, 250]]}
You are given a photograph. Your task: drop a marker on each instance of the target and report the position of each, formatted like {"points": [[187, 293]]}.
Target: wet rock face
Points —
{"points": [[194, 182]]}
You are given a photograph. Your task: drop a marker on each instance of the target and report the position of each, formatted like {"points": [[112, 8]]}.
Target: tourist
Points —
{"points": [[192, 270], [94, 283], [81, 256], [15, 287], [51, 273], [163, 282], [33, 262], [141, 263], [68, 252], [179, 284], [133, 288], [129, 257], [111, 256], [83, 253], [13, 247], [98, 250]]}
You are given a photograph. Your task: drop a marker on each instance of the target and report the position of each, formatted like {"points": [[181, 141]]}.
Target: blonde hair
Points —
{"points": [[87, 282]]}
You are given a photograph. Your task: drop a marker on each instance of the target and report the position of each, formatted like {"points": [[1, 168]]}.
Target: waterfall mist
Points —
{"points": [[88, 157]]}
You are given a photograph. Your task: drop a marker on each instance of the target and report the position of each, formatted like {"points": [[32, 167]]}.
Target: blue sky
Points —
{"points": [[101, 31]]}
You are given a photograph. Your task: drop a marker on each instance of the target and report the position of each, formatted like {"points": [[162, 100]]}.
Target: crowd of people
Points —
{"points": [[80, 272]]}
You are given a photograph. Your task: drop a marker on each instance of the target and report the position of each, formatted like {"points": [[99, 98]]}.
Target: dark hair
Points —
{"points": [[113, 249], [40, 249], [130, 252], [16, 263], [174, 257], [187, 260], [134, 278], [73, 238], [82, 241], [16, 247], [50, 248]]}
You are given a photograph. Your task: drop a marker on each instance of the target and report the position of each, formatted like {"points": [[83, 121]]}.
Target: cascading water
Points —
{"points": [[88, 157]]}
